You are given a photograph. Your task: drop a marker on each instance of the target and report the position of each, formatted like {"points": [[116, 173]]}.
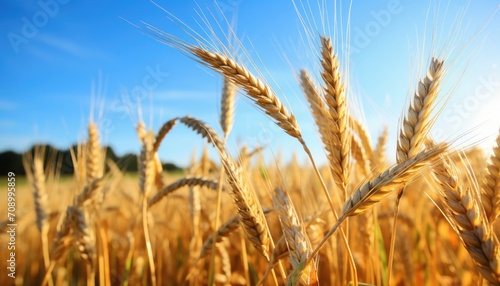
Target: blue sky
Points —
{"points": [[52, 52]]}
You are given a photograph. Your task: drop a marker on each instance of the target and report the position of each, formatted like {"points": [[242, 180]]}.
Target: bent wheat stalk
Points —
{"points": [[165, 128], [191, 182]]}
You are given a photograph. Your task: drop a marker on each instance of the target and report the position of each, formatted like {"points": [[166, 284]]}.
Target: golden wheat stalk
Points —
{"points": [[464, 211], [39, 192], [147, 175], [337, 106], [34, 166]]}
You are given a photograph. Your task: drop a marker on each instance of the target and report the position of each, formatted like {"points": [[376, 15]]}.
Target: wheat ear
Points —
{"points": [[336, 102], [299, 246], [195, 181], [418, 121], [61, 243], [320, 113], [93, 153], [165, 128], [249, 209], [147, 165], [382, 185], [255, 89], [226, 122], [393, 178], [204, 130], [491, 184], [227, 106], [36, 174], [89, 193], [463, 208], [223, 231], [378, 159], [83, 234], [363, 135], [147, 176], [359, 154], [39, 193], [413, 133]]}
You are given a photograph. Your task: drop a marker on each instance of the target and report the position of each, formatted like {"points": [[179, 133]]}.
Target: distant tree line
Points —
{"points": [[13, 162]]}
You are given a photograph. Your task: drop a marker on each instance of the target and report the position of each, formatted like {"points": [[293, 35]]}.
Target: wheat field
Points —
{"points": [[428, 217]]}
